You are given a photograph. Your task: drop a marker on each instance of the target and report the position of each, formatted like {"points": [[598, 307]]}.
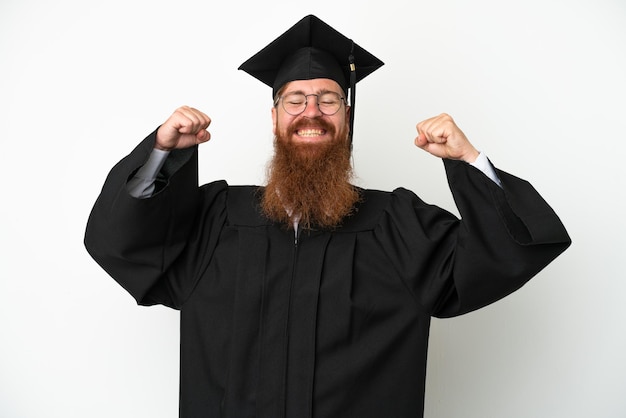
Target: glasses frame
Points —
{"points": [[306, 102]]}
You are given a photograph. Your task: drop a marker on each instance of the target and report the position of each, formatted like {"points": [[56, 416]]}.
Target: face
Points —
{"points": [[311, 126]]}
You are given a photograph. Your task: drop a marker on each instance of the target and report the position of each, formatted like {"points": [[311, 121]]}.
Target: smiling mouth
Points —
{"points": [[310, 132]]}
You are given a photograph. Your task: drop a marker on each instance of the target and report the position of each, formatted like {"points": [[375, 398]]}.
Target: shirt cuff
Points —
{"points": [[483, 164], [142, 184]]}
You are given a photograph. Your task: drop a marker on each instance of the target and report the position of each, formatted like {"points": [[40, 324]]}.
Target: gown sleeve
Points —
{"points": [[147, 245], [504, 237]]}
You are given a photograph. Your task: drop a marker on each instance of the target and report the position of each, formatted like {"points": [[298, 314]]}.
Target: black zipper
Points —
{"points": [[288, 319]]}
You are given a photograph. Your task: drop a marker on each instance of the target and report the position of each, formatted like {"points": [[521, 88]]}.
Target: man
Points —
{"points": [[310, 297]]}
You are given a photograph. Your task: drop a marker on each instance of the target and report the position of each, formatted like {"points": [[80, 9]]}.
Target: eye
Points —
{"points": [[294, 99], [329, 99]]}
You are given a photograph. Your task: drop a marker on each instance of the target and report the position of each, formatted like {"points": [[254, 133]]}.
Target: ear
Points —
{"points": [[274, 119]]}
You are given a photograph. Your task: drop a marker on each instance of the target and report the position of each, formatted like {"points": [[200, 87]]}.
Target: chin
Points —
{"points": [[311, 150]]}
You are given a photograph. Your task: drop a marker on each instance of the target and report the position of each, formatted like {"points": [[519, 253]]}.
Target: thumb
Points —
{"points": [[420, 140], [203, 136]]}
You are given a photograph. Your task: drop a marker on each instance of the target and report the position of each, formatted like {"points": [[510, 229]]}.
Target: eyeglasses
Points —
{"points": [[328, 103]]}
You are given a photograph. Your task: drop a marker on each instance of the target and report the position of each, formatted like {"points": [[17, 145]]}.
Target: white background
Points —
{"points": [[538, 85]]}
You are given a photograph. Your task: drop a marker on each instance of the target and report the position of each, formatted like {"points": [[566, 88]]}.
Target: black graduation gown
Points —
{"points": [[333, 324]]}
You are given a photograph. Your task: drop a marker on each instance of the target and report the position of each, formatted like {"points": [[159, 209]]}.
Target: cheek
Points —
{"points": [[274, 120], [342, 125], [281, 123]]}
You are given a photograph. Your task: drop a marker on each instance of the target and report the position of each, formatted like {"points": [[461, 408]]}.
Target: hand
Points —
{"points": [[185, 128], [442, 138]]}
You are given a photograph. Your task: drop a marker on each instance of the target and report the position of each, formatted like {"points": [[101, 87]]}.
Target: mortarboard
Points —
{"points": [[312, 49]]}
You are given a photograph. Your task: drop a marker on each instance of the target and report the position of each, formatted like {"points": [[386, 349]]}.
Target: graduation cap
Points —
{"points": [[312, 49]]}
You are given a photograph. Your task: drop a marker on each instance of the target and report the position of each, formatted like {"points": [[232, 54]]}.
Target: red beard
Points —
{"points": [[310, 182]]}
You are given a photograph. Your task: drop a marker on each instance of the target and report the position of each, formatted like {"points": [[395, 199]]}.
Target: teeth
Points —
{"points": [[311, 132]]}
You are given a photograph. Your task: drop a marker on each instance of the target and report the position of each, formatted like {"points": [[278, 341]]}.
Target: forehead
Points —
{"points": [[315, 85]]}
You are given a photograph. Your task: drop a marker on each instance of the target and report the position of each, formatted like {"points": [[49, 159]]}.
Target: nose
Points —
{"points": [[312, 108]]}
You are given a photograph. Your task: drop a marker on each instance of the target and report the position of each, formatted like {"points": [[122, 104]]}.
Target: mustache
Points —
{"points": [[308, 123]]}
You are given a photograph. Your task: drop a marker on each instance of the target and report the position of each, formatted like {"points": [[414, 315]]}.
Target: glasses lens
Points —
{"points": [[329, 103], [294, 103]]}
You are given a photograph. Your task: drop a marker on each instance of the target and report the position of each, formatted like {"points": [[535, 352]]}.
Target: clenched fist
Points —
{"points": [[442, 138], [185, 128]]}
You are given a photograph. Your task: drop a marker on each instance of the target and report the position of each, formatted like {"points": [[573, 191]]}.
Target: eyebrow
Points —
{"points": [[319, 92]]}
